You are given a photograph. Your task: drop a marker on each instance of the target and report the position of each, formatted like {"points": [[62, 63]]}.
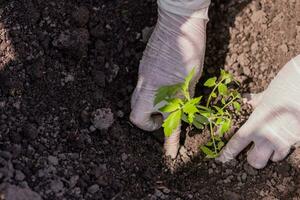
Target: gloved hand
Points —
{"points": [[176, 46], [274, 125]]}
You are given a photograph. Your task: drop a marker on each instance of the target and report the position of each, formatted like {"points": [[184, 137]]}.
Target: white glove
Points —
{"points": [[274, 125], [176, 46]]}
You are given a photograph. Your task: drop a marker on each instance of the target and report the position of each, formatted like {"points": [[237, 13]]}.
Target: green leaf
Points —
{"points": [[190, 108], [228, 80], [209, 144], [184, 118], [213, 94], [209, 153], [197, 124], [225, 126], [166, 92], [172, 122], [219, 121], [226, 75], [174, 104], [237, 105], [223, 101], [187, 80], [201, 119], [205, 113], [220, 145], [223, 72], [204, 108], [210, 82], [220, 111], [236, 94], [222, 89], [195, 101]]}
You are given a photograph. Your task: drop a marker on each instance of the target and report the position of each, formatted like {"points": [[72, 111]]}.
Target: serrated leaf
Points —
{"points": [[205, 113], [228, 80], [190, 108], [166, 92], [219, 121], [201, 119], [173, 104], [195, 100], [236, 94], [223, 101], [210, 82], [187, 80], [220, 145], [225, 75], [184, 118], [237, 106], [225, 126], [223, 72], [209, 144], [219, 110], [197, 124], [205, 108], [222, 89], [213, 94], [172, 122], [209, 153], [215, 155]]}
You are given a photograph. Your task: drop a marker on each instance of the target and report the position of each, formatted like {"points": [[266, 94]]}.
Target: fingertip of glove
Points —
{"points": [[146, 122], [257, 165], [223, 159], [280, 155]]}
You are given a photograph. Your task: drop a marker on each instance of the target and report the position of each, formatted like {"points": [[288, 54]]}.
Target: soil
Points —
{"points": [[67, 71]]}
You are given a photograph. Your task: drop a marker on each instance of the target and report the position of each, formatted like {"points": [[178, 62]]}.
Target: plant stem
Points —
{"points": [[212, 136], [186, 95], [230, 102], [210, 95]]}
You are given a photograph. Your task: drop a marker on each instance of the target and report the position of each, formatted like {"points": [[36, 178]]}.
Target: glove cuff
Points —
{"points": [[196, 8]]}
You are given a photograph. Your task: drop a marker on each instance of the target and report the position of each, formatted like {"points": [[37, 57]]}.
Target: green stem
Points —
{"points": [[216, 86], [186, 95], [212, 136], [229, 103]]}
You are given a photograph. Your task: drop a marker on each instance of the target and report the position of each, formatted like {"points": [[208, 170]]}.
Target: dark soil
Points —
{"points": [[66, 64]]}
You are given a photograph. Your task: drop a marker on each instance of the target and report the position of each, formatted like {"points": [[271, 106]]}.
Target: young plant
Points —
{"points": [[214, 114]]}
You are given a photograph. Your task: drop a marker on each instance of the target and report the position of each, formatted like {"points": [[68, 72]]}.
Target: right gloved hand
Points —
{"points": [[176, 46], [274, 125]]}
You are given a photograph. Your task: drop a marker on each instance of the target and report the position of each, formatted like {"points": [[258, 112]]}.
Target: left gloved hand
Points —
{"points": [[176, 46], [274, 125]]}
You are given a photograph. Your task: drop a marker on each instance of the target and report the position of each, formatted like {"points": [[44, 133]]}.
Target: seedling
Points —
{"points": [[215, 114]]}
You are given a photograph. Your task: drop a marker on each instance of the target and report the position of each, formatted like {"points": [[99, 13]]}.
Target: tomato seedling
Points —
{"points": [[215, 114]]}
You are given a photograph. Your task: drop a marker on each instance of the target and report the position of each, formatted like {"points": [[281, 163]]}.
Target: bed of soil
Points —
{"points": [[60, 61]]}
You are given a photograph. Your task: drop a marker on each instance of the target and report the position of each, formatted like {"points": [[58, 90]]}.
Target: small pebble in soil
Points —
{"points": [[57, 186], [124, 157], [250, 170], [228, 195], [13, 192], [53, 160], [244, 177], [30, 131], [73, 180], [93, 189], [81, 16], [102, 118], [19, 176]]}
